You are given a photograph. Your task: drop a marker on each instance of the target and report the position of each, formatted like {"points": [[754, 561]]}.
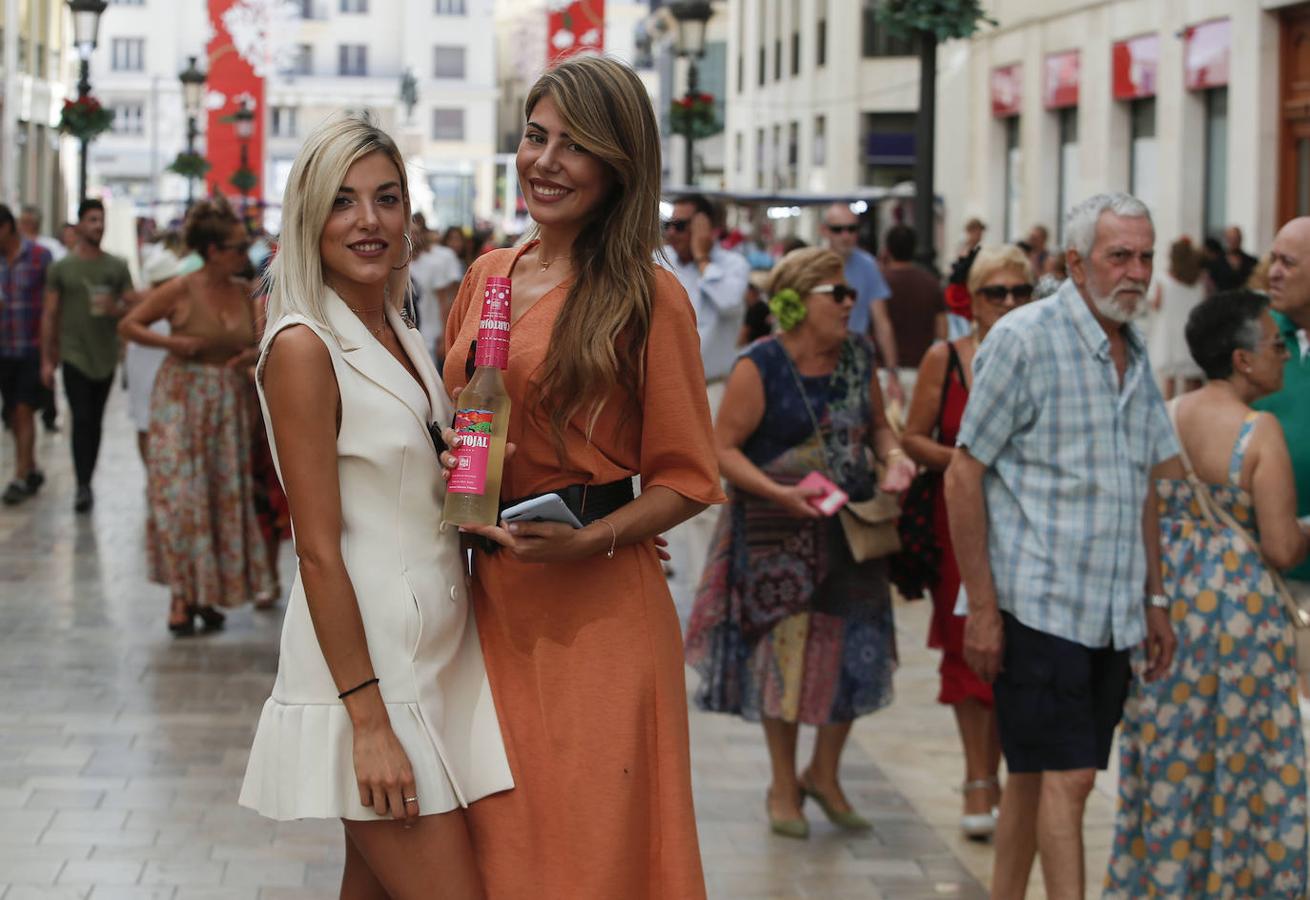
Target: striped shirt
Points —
{"points": [[1069, 455], [22, 294]]}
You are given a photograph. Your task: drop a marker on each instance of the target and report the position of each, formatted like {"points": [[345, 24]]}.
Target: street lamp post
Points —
{"points": [[193, 98], [86, 28], [691, 16], [244, 121]]}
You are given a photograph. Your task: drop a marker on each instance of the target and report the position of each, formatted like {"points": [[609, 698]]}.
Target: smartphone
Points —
{"points": [[832, 499], [546, 508]]}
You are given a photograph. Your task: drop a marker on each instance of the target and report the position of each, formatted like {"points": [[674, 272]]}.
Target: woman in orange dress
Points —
{"points": [[579, 632]]}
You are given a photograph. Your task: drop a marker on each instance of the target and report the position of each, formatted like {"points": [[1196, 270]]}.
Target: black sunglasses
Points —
{"points": [[849, 229], [995, 293], [840, 292], [677, 224], [242, 247]]}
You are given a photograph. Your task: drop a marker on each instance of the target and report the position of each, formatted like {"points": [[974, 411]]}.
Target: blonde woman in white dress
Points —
{"points": [[381, 714]]}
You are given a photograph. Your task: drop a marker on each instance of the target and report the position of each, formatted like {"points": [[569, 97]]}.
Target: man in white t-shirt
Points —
{"points": [[436, 272]]}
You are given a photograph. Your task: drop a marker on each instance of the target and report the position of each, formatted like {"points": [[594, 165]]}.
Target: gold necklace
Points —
{"points": [[545, 264], [360, 312]]}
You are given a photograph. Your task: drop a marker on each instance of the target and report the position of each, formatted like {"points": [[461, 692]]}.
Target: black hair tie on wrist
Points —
{"points": [[359, 687]]}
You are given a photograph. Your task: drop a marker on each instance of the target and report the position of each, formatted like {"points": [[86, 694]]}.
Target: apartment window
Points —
{"points": [[1068, 162], [820, 140], [282, 122], [452, 7], [759, 157], [1216, 160], [303, 62], [763, 66], [795, 53], [1013, 176], [876, 40], [352, 59], [448, 124], [775, 156], [310, 9], [739, 151], [129, 118], [741, 72], [821, 44], [1142, 151], [777, 60], [128, 54], [354, 6], [447, 62], [793, 152]]}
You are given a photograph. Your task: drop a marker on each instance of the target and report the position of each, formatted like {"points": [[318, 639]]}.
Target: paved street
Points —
{"points": [[121, 749]]}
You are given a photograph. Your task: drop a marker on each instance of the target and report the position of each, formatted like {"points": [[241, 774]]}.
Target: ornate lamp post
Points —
{"points": [[193, 100], [691, 16], [86, 28], [244, 122]]}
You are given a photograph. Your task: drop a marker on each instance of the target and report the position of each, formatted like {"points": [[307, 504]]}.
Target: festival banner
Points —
{"points": [[574, 26]]}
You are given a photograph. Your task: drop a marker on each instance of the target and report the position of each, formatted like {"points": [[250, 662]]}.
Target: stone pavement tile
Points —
{"points": [[33, 892], [25, 819], [183, 873], [36, 872], [286, 893], [135, 892], [122, 838], [218, 893], [99, 872], [12, 798], [273, 874], [323, 876], [152, 853], [83, 799], [87, 820]]}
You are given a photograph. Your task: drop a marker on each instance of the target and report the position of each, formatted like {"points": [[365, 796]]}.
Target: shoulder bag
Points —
{"points": [[869, 525]]}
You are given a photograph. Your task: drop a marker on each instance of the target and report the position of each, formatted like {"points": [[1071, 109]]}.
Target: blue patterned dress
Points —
{"points": [[786, 624], [1212, 798]]}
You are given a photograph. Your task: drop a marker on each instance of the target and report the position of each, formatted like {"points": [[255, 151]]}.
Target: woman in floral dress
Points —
{"points": [[1212, 797]]}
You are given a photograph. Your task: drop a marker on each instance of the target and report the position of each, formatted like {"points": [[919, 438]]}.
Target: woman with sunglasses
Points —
{"points": [[1000, 280], [203, 535], [788, 629], [1212, 795]]}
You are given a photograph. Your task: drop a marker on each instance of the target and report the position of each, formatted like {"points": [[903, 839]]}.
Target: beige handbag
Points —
{"points": [[1243, 540], [869, 525]]}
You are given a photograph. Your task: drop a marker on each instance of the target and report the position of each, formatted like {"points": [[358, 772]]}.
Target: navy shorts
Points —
{"points": [[20, 382], [1057, 701]]}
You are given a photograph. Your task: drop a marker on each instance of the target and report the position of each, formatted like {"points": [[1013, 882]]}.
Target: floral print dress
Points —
{"points": [[1212, 798]]}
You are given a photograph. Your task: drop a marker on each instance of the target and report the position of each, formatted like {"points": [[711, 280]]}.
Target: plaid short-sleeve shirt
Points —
{"points": [[1069, 454], [22, 293]]}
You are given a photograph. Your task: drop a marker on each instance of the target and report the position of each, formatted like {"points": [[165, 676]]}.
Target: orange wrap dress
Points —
{"points": [[585, 658]]}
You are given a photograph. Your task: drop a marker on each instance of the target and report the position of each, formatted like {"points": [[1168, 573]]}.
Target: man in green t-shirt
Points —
{"points": [[86, 293]]}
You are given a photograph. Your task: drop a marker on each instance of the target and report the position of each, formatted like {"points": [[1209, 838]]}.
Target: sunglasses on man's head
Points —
{"points": [[996, 293], [848, 229], [840, 292], [677, 224]]}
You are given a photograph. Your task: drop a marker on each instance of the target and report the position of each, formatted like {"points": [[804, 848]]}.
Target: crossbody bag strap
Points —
{"points": [[814, 420], [1216, 514]]}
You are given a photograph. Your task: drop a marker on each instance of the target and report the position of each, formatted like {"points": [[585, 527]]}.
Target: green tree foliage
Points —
{"points": [[944, 19]]}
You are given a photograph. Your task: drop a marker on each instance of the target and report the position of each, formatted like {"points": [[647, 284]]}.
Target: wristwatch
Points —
{"points": [[1157, 601]]}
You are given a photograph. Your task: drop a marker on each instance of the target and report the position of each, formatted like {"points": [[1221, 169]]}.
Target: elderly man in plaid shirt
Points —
{"points": [[1053, 516], [23, 266]]}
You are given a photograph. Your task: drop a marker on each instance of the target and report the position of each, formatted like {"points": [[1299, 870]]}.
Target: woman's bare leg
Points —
{"points": [[410, 863], [357, 881], [823, 773], [982, 756], [784, 791]]}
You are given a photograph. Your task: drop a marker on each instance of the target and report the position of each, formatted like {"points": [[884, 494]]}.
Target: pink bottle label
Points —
{"points": [[493, 327], [470, 473]]}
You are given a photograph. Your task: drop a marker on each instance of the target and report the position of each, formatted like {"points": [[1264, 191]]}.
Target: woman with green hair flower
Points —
{"points": [[788, 628]]}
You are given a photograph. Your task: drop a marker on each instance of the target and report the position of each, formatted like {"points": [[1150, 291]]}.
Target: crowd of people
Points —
{"points": [[1104, 517]]}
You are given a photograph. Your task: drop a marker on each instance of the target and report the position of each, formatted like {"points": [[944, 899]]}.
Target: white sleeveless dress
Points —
{"points": [[409, 581]]}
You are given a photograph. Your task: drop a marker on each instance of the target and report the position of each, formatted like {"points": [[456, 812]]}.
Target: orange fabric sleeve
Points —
{"points": [[677, 437]]}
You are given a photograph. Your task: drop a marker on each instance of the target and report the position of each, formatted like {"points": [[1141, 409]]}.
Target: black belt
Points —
{"points": [[589, 502]]}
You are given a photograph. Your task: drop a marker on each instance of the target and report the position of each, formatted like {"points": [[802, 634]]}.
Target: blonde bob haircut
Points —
{"points": [[599, 339], [296, 281], [1003, 258], [805, 269]]}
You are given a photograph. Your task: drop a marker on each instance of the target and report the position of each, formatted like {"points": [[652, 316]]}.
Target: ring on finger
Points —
{"points": [[411, 799]]}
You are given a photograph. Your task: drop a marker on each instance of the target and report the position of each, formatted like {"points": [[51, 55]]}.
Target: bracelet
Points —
{"points": [[893, 452], [359, 687], [614, 537]]}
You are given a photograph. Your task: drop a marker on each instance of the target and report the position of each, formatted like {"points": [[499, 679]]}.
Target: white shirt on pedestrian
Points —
{"points": [[436, 269], [718, 297]]}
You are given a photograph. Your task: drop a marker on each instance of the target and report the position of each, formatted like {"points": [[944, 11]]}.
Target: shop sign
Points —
{"points": [[1205, 54], [1061, 88], [1007, 90], [1136, 63], [574, 26]]}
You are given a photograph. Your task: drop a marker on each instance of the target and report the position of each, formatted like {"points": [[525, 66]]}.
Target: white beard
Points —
{"points": [[1111, 309]]}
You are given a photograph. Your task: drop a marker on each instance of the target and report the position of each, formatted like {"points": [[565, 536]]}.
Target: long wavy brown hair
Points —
{"points": [[599, 339]]}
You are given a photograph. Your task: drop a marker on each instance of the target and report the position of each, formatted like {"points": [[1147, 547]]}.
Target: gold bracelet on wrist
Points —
{"points": [[614, 537]]}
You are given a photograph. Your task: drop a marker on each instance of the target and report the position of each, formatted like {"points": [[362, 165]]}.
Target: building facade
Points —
{"points": [[36, 59], [1200, 107], [425, 69]]}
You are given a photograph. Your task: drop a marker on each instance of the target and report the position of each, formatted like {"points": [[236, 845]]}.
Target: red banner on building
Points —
{"points": [[232, 81], [1062, 73], [574, 26], [1007, 91], [1136, 63], [1205, 56]]}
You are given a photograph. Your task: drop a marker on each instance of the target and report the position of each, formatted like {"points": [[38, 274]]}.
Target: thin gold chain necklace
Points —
{"points": [[360, 312]]}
